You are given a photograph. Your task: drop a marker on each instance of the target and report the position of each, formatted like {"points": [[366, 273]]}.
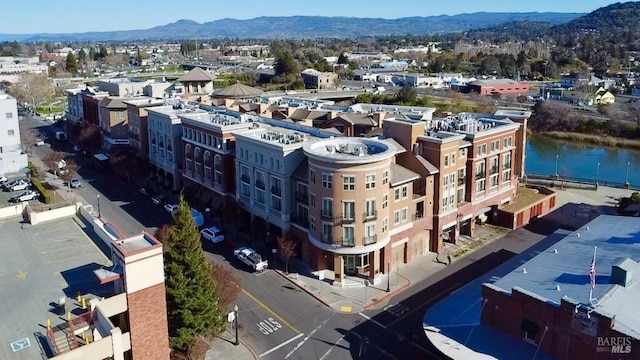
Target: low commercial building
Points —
{"points": [[314, 79], [497, 86], [577, 299]]}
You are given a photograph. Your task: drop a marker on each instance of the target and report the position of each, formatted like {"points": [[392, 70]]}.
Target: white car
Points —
{"points": [[19, 185], [75, 183], [251, 258], [39, 142], [171, 208], [212, 234], [3, 179], [25, 196]]}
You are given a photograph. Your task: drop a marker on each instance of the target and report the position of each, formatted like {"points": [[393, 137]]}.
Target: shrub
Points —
{"points": [[46, 195]]}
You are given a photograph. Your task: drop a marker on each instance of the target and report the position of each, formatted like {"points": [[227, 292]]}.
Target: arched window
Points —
{"points": [[207, 165], [197, 157], [188, 163], [217, 167]]}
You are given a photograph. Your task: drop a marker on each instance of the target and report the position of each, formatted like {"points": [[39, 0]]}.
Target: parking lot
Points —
{"points": [[5, 196]]}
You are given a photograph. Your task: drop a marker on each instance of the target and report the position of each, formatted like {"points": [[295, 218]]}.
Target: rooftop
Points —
{"points": [[468, 124], [136, 243], [38, 265], [491, 82], [175, 110], [563, 270], [350, 150]]}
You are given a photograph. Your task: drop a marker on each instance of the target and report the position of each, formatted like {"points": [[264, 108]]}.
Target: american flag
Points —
{"points": [[592, 272]]}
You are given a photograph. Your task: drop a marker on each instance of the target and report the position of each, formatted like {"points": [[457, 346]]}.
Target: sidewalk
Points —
{"points": [[222, 347]]}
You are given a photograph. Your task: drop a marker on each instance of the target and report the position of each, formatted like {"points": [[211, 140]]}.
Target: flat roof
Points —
{"points": [[38, 265], [562, 270], [136, 243], [351, 150]]}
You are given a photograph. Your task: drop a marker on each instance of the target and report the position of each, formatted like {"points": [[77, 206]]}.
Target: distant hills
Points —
{"points": [[305, 27]]}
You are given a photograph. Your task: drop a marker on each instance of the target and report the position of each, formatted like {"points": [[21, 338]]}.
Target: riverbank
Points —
{"points": [[602, 140]]}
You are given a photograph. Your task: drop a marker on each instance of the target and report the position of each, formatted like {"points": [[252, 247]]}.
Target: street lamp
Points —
{"points": [[98, 197], [388, 275], [557, 155], [626, 182], [235, 310], [597, 174]]}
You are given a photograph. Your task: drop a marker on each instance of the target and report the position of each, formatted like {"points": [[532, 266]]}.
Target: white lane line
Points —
{"points": [[364, 347], [281, 345], [373, 321], [307, 337], [324, 356], [421, 348]]}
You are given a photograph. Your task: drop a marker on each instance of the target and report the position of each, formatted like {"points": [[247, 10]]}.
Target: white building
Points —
{"points": [[165, 142], [12, 158]]}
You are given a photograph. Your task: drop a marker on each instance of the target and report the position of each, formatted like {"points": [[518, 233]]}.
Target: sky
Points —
{"points": [[73, 16]]}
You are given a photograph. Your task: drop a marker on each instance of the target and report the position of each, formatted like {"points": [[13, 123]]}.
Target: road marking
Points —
{"points": [[373, 321], [260, 273], [447, 290], [307, 337], [268, 326], [270, 311], [364, 346], [324, 356], [346, 309], [396, 309], [281, 345]]}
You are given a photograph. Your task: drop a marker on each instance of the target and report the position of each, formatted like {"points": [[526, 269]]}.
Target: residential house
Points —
{"points": [[114, 122], [314, 79], [197, 82], [603, 96]]}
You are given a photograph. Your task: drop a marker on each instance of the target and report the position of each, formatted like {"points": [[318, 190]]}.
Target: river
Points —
{"points": [[579, 161]]}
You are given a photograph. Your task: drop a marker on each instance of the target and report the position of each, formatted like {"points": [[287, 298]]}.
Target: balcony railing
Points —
{"points": [[348, 219], [302, 196], [462, 180], [345, 242], [327, 216], [260, 184], [275, 190], [245, 179], [506, 166], [480, 175], [327, 238], [494, 170], [368, 240], [300, 220], [416, 217], [370, 215]]}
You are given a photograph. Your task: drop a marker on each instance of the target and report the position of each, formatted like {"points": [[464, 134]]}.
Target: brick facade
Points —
{"points": [[148, 323]]}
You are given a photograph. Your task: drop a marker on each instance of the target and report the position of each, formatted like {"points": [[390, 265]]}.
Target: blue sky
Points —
{"points": [[65, 16]]}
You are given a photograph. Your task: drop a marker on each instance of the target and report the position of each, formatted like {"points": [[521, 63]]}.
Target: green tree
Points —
{"points": [[192, 300], [407, 95], [92, 53], [103, 52], [82, 56], [285, 64], [72, 63], [342, 59]]}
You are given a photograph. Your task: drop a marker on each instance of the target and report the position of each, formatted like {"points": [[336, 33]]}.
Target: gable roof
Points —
{"points": [[112, 102], [196, 74]]}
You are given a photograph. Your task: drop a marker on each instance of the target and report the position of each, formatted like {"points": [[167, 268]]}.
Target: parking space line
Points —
{"points": [[270, 311], [281, 345]]}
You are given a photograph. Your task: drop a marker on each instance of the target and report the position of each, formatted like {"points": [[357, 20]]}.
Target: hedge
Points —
{"points": [[46, 195]]}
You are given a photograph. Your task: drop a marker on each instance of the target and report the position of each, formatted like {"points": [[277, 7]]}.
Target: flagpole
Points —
{"points": [[593, 265]]}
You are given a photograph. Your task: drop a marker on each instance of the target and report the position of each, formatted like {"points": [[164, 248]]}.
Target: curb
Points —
{"points": [[302, 288], [253, 354], [393, 293]]}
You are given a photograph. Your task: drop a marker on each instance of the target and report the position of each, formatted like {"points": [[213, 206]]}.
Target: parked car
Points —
{"points": [[27, 195], [212, 234], [250, 258], [39, 142], [3, 179], [159, 199], [74, 183], [171, 208], [21, 184]]}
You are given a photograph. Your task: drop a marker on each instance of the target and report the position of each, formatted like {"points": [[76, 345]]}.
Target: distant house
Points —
{"points": [[603, 97], [314, 79], [575, 80], [197, 81]]}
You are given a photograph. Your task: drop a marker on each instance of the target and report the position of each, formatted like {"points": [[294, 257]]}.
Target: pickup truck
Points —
{"points": [[251, 258]]}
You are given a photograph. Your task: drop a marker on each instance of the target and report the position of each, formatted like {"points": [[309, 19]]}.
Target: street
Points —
{"points": [[276, 318]]}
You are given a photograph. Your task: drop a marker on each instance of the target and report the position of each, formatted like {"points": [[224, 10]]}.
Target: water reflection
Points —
{"points": [[579, 160]]}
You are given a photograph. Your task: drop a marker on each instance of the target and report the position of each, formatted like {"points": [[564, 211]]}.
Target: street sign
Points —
{"points": [[20, 344]]}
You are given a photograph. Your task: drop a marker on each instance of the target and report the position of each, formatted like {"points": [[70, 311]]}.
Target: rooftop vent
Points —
{"points": [[622, 273]]}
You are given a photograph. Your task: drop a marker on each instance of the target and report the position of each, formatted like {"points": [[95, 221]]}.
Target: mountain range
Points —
{"points": [[304, 27]]}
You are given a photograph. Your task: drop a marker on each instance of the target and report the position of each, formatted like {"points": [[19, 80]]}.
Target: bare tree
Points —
{"points": [[228, 285], [52, 159], [70, 170], [287, 249], [89, 138], [34, 89], [28, 137]]}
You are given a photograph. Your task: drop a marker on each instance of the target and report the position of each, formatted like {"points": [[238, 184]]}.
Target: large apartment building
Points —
{"points": [[12, 158]]}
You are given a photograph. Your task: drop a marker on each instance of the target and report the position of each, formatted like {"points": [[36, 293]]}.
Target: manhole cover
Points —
{"points": [[356, 322], [374, 300]]}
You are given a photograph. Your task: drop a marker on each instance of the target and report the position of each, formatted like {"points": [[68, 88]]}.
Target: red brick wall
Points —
{"points": [[148, 324], [505, 312]]}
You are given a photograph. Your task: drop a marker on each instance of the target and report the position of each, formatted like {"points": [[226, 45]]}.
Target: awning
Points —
{"points": [[106, 276]]}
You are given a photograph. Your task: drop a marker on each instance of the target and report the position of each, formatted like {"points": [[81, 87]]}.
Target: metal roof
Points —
{"points": [[562, 270]]}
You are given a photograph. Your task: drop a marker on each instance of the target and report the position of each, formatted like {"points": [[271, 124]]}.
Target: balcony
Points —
{"points": [[260, 184], [345, 242], [416, 217], [348, 219], [327, 216], [506, 166], [245, 179], [494, 170], [300, 220], [480, 175], [370, 216], [462, 180], [277, 191], [368, 240], [302, 196]]}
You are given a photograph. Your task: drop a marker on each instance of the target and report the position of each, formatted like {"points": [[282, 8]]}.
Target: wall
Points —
{"points": [[67, 211], [12, 211], [86, 212], [148, 322], [100, 349]]}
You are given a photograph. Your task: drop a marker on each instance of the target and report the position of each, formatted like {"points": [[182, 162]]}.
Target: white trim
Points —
{"points": [[395, 244], [357, 250], [401, 228], [505, 201], [448, 225], [468, 216], [348, 169]]}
